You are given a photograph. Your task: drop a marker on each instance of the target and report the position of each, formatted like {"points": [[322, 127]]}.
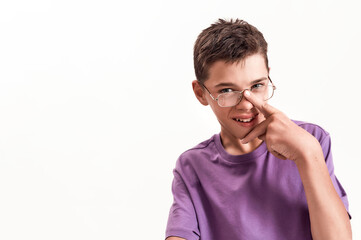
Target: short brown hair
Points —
{"points": [[230, 41]]}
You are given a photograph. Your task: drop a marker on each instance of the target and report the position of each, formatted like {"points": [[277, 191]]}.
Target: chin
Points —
{"points": [[235, 133]]}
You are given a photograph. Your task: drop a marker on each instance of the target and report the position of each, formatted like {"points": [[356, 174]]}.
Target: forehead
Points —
{"points": [[238, 73]]}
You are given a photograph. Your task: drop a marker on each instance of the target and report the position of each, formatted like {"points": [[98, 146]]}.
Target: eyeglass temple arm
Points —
{"points": [[210, 94], [273, 86]]}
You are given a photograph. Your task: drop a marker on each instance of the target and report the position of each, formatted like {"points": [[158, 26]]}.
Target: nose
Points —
{"points": [[244, 104]]}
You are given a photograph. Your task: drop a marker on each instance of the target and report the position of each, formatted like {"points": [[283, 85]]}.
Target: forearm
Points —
{"points": [[328, 217]]}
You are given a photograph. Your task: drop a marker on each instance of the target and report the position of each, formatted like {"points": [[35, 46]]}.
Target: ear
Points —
{"points": [[199, 92]]}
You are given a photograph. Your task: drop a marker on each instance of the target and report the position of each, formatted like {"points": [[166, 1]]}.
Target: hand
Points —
{"points": [[284, 138]]}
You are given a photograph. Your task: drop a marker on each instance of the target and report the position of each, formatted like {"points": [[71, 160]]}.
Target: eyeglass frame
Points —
{"points": [[241, 92]]}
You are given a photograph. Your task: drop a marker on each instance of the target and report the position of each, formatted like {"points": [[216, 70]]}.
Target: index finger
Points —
{"points": [[266, 109]]}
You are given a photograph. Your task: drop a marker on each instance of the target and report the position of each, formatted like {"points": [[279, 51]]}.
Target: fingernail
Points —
{"points": [[243, 142], [247, 93]]}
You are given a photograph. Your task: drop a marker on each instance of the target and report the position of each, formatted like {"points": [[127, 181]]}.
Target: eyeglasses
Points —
{"points": [[263, 90]]}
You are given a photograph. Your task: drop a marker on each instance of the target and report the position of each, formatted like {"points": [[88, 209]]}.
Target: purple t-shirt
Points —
{"points": [[218, 196]]}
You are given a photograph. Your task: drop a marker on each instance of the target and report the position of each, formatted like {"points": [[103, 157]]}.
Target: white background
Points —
{"points": [[96, 105]]}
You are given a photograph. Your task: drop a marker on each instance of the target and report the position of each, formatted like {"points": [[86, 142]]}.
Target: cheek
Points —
{"points": [[214, 105], [221, 113]]}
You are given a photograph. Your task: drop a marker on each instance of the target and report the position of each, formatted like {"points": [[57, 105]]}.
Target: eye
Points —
{"points": [[225, 90], [257, 86]]}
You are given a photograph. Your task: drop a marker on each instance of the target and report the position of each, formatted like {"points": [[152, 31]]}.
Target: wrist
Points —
{"points": [[311, 154]]}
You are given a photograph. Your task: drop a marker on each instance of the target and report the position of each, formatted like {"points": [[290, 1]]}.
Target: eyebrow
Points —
{"points": [[230, 84]]}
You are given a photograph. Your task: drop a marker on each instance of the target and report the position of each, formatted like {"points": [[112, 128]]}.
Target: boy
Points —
{"points": [[264, 176]]}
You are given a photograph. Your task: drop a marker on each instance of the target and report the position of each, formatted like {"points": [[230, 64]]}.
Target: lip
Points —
{"points": [[252, 123]]}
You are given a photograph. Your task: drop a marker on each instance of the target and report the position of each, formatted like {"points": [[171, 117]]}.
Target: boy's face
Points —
{"points": [[238, 120]]}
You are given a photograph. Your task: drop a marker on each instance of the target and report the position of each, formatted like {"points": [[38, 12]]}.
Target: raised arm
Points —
{"points": [[328, 216]]}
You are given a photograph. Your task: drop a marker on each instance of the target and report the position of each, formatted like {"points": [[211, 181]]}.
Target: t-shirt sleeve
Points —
{"points": [[182, 220], [326, 147]]}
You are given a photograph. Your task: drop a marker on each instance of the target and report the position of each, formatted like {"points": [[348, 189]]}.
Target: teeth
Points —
{"points": [[244, 120]]}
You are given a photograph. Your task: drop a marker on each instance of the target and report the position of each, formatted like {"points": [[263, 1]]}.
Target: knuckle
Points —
{"points": [[272, 118], [271, 127]]}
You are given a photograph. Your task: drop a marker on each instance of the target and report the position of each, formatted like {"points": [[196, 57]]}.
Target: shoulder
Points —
{"points": [[317, 131], [198, 154]]}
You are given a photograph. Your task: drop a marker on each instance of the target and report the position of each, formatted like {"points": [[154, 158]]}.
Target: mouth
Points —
{"points": [[246, 121]]}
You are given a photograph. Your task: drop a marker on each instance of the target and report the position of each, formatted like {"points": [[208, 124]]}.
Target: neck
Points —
{"points": [[234, 146]]}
